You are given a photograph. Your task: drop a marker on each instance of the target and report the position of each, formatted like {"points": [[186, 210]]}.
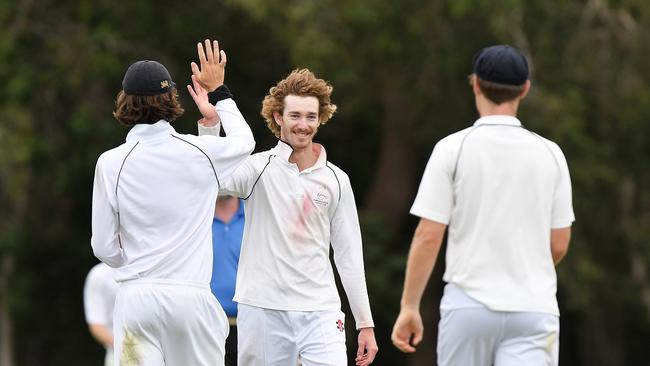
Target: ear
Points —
{"points": [[278, 118], [526, 89], [475, 88]]}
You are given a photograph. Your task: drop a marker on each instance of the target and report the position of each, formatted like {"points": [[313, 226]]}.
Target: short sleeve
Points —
{"points": [[562, 213], [434, 200]]}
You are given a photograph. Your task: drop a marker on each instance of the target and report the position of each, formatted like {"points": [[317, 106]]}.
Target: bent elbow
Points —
{"points": [[113, 258]]}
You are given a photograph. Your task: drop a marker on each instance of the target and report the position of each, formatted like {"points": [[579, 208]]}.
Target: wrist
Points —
{"points": [[218, 94], [209, 122], [409, 306]]}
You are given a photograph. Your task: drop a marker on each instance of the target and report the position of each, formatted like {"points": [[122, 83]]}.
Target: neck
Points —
{"points": [[226, 208], [487, 108], [305, 157]]}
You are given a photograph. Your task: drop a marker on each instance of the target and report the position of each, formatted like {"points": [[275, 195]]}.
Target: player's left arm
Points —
{"points": [[562, 215], [348, 257]]}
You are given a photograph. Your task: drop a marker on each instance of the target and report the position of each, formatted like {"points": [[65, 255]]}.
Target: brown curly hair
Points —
{"points": [[302, 83], [133, 109]]}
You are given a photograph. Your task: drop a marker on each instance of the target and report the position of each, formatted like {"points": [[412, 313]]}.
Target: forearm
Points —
{"points": [[234, 124], [348, 257], [346, 242], [421, 260], [356, 291]]}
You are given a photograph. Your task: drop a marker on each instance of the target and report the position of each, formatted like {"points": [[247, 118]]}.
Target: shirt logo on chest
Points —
{"points": [[321, 199]]}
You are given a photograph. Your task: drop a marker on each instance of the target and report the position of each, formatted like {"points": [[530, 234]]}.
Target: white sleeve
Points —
{"points": [[562, 213], [348, 256], [435, 197], [95, 307], [241, 182], [230, 151], [105, 231]]}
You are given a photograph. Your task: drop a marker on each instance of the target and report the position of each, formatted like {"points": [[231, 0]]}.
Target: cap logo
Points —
{"points": [[164, 84]]}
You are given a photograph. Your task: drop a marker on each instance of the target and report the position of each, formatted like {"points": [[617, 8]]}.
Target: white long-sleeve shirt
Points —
{"points": [[154, 197], [291, 219]]}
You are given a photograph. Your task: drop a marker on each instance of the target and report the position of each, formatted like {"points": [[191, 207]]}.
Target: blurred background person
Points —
{"points": [[227, 231], [100, 289]]}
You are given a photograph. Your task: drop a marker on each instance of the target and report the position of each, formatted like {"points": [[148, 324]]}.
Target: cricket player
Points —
{"points": [[99, 294], [297, 204], [153, 205], [505, 194]]}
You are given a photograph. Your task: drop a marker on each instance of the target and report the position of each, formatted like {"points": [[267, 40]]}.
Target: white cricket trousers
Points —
{"points": [[168, 323], [279, 338], [477, 336]]}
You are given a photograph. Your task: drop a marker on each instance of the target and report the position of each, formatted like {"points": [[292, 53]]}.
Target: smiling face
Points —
{"points": [[298, 121]]}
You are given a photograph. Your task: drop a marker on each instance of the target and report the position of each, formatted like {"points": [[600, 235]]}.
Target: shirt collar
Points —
{"points": [[498, 120], [147, 132], [283, 150]]}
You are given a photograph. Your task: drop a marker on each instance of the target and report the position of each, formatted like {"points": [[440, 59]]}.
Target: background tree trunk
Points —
{"points": [[6, 335]]}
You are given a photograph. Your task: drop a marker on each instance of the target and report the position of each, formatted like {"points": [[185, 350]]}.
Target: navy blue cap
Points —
{"points": [[501, 64], [147, 78]]}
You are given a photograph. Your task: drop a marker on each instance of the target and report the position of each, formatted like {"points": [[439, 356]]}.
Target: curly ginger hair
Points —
{"points": [[302, 83]]}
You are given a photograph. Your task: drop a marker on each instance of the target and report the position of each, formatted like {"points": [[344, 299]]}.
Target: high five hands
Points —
{"points": [[213, 65], [207, 78]]}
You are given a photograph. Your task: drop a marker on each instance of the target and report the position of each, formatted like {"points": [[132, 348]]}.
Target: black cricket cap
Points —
{"points": [[501, 64], [147, 78]]}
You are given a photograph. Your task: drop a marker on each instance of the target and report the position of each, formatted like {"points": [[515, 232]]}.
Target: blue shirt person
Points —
{"points": [[227, 232]]}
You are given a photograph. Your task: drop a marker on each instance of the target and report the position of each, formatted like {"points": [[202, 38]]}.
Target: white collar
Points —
{"points": [[150, 132], [283, 150], [498, 120]]}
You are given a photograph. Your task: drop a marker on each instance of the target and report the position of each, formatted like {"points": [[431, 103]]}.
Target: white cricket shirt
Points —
{"points": [[291, 219], [154, 197], [501, 189], [100, 289]]}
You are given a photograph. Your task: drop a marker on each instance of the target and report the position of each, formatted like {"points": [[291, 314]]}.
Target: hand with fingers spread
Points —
{"points": [[367, 347], [211, 73], [407, 331], [200, 96]]}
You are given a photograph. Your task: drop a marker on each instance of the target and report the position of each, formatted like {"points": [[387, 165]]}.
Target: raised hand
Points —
{"points": [[213, 65], [200, 96]]}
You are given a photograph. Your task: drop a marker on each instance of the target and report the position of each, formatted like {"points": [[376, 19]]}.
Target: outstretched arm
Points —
{"points": [[208, 89], [408, 328]]}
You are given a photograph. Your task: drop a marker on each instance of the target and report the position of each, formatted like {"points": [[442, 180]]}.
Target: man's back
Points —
{"points": [[504, 182], [163, 187]]}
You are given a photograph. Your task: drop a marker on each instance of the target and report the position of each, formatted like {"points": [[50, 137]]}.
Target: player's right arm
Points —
{"points": [[230, 151], [433, 204], [105, 229]]}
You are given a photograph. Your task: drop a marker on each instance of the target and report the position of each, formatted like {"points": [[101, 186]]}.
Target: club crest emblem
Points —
{"points": [[321, 198], [164, 84]]}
